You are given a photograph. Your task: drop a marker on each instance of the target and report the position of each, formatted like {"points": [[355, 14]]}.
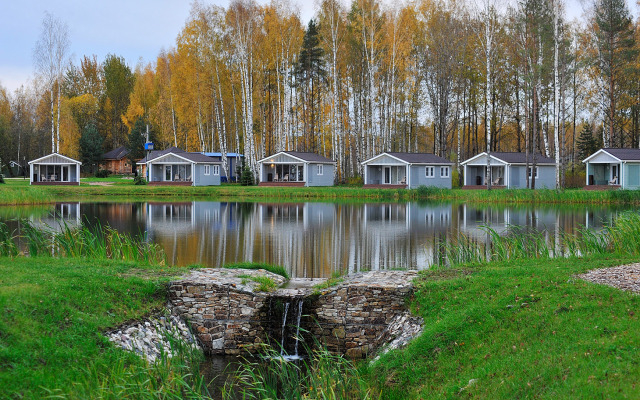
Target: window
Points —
{"points": [[529, 171], [216, 170], [430, 172], [207, 169], [320, 169], [444, 172]]}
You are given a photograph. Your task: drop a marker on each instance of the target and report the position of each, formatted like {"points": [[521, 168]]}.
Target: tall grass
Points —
{"points": [[98, 242], [8, 246], [129, 377], [621, 237], [323, 376]]}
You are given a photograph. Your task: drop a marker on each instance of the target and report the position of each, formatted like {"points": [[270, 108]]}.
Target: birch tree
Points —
{"points": [[50, 57]]}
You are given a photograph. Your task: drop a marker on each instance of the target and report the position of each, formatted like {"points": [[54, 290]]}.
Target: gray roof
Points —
{"points": [[420, 158], [116, 154], [157, 153], [308, 156], [195, 157], [624, 154], [521, 158]]}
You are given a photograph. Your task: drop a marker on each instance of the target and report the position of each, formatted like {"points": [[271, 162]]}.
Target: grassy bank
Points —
{"points": [[523, 325], [53, 314], [19, 192]]}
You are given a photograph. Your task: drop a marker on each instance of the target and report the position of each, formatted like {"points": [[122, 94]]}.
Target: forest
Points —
{"points": [[448, 77]]}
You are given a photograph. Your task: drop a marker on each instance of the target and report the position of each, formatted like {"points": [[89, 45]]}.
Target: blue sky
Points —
{"points": [[133, 29]]}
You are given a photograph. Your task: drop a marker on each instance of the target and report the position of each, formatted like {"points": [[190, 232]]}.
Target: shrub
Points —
{"points": [[102, 173], [2, 179], [355, 181], [139, 180], [247, 179]]}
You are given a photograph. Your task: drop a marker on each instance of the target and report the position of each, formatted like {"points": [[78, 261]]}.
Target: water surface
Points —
{"points": [[311, 239]]}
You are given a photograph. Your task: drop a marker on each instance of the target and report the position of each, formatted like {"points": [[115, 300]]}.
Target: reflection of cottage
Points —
{"points": [[177, 167], [509, 170], [405, 217], [287, 216], [54, 169], [613, 169], [63, 215], [295, 168], [234, 161], [407, 170], [116, 161], [170, 218]]}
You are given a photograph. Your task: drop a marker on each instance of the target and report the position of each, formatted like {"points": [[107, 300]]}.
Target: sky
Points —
{"points": [[134, 29]]}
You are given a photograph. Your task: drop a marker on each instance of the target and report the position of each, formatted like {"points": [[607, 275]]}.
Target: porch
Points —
{"points": [[54, 174], [475, 176], [385, 176], [603, 175], [282, 174], [171, 174]]}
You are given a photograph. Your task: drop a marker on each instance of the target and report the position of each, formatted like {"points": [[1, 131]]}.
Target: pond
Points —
{"points": [[310, 239]]}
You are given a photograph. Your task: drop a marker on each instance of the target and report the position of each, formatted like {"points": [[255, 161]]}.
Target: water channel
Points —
{"points": [[310, 239]]}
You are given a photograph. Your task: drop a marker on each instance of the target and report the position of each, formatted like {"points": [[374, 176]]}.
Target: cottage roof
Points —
{"points": [[515, 158], [116, 154], [193, 157], [521, 158], [308, 156], [153, 154], [303, 156], [624, 154], [420, 158], [55, 158]]}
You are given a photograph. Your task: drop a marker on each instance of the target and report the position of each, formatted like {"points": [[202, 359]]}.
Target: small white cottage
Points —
{"points": [[509, 170], [54, 169], [407, 170], [296, 168], [176, 167], [613, 169]]}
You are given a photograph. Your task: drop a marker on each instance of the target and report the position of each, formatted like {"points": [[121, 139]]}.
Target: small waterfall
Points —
{"points": [[284, 325], [300, 301]]}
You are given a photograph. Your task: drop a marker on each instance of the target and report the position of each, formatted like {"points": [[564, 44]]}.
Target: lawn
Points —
{"points": [[54, 312], [18, 191], [518, 329]]}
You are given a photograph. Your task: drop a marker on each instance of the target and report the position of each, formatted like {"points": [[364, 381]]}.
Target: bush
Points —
{"points": [[102, 173], [139, 180], [247, 179], [355, 181], [2, 179]]}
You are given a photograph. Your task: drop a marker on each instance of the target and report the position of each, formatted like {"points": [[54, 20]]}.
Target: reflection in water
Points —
{"points": [[314, 239]]}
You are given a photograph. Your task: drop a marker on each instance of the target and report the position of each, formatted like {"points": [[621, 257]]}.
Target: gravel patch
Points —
{"points": [[625, 277]]}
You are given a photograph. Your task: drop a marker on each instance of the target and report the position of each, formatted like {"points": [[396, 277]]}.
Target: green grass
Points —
{"points": [[276, 269], [18, 191], [336, 278], [53, 314], [265, 284], [518, 329]]}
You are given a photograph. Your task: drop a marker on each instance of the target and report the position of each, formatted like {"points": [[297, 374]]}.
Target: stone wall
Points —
{"points": [[229, 315]]}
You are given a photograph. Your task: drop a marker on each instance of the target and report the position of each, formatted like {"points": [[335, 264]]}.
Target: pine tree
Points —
{"points": [[136, 140], [90, 147], [587, 142], [310, 74]]}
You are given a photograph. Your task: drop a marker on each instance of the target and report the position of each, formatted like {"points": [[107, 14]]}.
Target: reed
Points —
{"points": [[127, 377], [8, 246], [622, 237], [98, 243], [323, 376]]}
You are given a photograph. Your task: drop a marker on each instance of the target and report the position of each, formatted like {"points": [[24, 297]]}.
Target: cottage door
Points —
{"points": [[387, 175]]}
